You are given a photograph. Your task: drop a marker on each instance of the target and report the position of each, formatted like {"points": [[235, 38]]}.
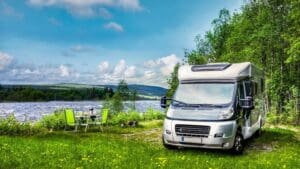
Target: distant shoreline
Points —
{"points": [[71, 101]]}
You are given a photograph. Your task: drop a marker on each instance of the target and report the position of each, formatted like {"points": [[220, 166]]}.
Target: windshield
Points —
{"points": [[204, 93]]}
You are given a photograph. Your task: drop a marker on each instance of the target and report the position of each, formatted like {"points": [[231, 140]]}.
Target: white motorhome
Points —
{"points": [[216, 106]]}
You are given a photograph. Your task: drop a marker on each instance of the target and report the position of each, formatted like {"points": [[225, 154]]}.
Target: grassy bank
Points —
{"points": [[278, 147]]}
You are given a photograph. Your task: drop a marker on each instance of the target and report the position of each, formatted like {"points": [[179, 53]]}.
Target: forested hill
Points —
{"points": [[70, 92], [266, 33]]}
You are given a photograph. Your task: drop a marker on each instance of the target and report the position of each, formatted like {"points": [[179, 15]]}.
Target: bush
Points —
{"points": [[120, 118], [134, 116], [152, 114], [54, 121], [11, 126]]}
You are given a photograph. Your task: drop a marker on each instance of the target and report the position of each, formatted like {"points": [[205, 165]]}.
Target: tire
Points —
{"points": [[257, 133], [167, 146], [238, 146]]}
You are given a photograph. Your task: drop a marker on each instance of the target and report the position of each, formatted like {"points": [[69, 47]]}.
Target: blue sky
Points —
{"points": [[99, 41]]}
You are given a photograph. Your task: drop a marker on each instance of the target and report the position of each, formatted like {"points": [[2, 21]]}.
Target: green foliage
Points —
{"points": [[54, 121], [152, 114], [123, 90], [117, 103], [173, 81], [120, 118], [133, 115], [125, 117], [11, 126]]}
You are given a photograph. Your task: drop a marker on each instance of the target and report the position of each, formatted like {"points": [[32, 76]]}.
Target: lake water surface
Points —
{"points": [[33, 111]]}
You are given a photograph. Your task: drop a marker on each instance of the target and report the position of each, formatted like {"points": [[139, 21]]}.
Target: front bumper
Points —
{"points": [[210, 141]]}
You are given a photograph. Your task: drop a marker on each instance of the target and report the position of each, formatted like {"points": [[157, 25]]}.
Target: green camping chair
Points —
{"points": [[71, 120], [104, 116]]}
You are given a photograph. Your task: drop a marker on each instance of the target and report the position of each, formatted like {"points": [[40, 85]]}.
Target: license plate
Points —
{"points": [[182, 139]]}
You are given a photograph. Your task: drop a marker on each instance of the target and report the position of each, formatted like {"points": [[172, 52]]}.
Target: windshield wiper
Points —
{"points": [[180, 102], [196, 105]]}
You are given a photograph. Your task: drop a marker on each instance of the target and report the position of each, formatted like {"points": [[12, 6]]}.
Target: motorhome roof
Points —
{"points": [[215, 71]]}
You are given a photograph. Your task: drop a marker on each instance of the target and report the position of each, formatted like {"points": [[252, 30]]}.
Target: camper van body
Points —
{"points": [[213, 105]]}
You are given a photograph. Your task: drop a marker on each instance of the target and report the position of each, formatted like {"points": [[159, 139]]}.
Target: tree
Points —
{"points": [[123, 90], [117, 103], [133, 97], [173, 81]]}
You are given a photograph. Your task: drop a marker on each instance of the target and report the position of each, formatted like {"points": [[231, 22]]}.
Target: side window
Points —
{"points": [[248, 88], [241, 91]]}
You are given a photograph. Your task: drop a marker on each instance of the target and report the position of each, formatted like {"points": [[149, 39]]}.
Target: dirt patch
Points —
{"points": [[152, 135], [261, 147]]}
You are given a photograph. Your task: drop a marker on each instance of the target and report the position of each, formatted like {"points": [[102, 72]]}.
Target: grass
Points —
{"points": [[278, 147]]}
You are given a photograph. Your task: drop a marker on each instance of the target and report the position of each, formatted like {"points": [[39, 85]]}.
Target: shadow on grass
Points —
{"points": [[272, 139]]}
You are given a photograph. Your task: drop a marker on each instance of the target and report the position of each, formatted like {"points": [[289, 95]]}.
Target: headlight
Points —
{"points": [[226, 114]]}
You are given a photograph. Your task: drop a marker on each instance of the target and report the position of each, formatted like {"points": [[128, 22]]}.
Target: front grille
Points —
{"points": [[192, 130]]}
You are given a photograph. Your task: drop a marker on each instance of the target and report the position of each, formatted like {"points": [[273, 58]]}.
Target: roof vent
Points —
{"points": [[210, 67]]}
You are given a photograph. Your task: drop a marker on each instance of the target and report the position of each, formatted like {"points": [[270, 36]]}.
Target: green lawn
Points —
{"points": [[141, 148]]}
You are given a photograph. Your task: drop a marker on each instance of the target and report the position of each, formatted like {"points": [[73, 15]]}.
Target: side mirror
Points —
{"points": [[163, 102], [247, 103]]}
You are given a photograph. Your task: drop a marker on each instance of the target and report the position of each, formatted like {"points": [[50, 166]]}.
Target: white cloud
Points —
{"points": [[149, 74], [168, 64], [33, 72], [105, 73], [64, 71], [87, 8], [150, 63], [130, 72], [153, 72], [164, 64], [103, 67], [114, 26], [5, 60], [120, 68]]}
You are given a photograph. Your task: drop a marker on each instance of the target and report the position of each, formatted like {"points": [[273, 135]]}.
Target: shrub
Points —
{"points": [[120, 118], [152, 114], [126, 117], [11, 126], [54, 121], [134, 116]]}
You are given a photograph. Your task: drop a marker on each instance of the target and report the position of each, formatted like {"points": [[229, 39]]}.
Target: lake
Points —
{"points": [[33, 111]]}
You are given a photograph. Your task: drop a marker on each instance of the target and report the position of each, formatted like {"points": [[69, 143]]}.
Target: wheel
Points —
{"points": [[257, 133], [238, 146], [167, 146]]}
